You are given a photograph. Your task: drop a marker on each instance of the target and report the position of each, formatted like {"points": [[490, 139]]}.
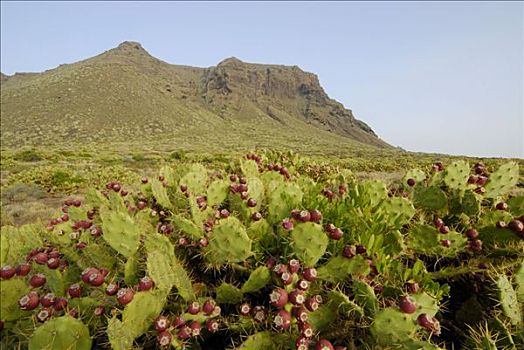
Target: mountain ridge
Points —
{"points": [[159, 99]]}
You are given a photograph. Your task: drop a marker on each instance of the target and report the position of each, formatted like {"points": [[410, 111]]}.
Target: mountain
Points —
{"points": [[127, 96]]}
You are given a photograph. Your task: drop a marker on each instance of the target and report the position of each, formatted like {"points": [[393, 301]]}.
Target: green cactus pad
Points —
{"points": [[10, 292], [365, 296], [415, 174], [343, 304], [228, 294], [508, 300], [469, 204], [95, 199], [84, 305], [217, 192], [516, 205], [188, 227], [131, 271], [502, 180], [371, 193], [519, 281], [120, 231], [142, 310], [195, 179], [429, 198], [309, 243], [168, 174], [249, 167], [323, 317], [97, 255], [160, 194], [77, 213], [17, 242], [425, 305], [456, 175], [165, 269], [391, 326], [229, 243], [397, 211], [425, 239], [62, 333], [338, 268], [284, 198], [258, 341], [258, 230], [412, 344], [258, 279], [119, 336]]}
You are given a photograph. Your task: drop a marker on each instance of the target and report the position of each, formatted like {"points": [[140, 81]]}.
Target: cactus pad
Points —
{"points": [[456, 175], [10, 292], [217, 192], [258, 279], [309, 243], [62, 333], [120, 231], [508, 300], [502, 180], [429, 198], [188, 227], [338, 268], [229, 243], [228, 294], [160, 194], [391, 326], [371, 193], [397, 211], [284, 198]]}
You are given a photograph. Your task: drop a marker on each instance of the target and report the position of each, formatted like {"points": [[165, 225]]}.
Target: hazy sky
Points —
{"points": [[436, 77]]}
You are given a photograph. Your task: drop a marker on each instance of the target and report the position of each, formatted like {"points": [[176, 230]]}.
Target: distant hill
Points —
{"points": [[125, 95]]}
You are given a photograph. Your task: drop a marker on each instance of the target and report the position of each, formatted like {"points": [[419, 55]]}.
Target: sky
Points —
{"points": [[442, 77]]}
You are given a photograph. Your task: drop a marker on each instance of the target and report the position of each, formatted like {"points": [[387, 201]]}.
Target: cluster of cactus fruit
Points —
{"points": [[257, 256]]}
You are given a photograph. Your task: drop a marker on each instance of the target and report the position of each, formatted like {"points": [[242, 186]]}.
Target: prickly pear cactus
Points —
{"points": [[61, 333], [229, 243], [309, 243]]}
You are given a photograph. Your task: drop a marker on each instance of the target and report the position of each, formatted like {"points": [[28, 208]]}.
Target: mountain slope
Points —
{"points": [[126, 95]]}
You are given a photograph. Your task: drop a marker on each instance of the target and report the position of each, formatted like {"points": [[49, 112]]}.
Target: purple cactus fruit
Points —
{"points": [[502, 206], [445, 243], [278, 297], [336, 235], [309, 274], [224, 213], [44, 314], [444, 229], [480, 190], [161, 323], [302, 343], [411, 182], [74, 291], [145, 283], [315, 215], [412, 287], [245, 309], [184, 333], [407, 305], [22, 269], [271, 262], [41, 258], [287, 278], [438, 222], [282, 320], [37, 280], [212, 326], [501, 224], [306, 330], [48, 300], [195, 328], [183, 188], [287, 224], [125, 296], [60, 304], [516, 226], [311, 304], [233, 178], [481, 180], [296, 297], [243, 180], [179, 322], [349, 251], [304, 216], [194, 308], [293, 266], [96, 279], [302, 284], [475, 245], [324, 344], [7, 272], [472, 233], [29, 301], [256, 216], [259, 314], [361, 250], [295, 214], [251, 202], [99, 310], [208, 307], [301, 313], [244, 195], [164, 338], [112, 289]]}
